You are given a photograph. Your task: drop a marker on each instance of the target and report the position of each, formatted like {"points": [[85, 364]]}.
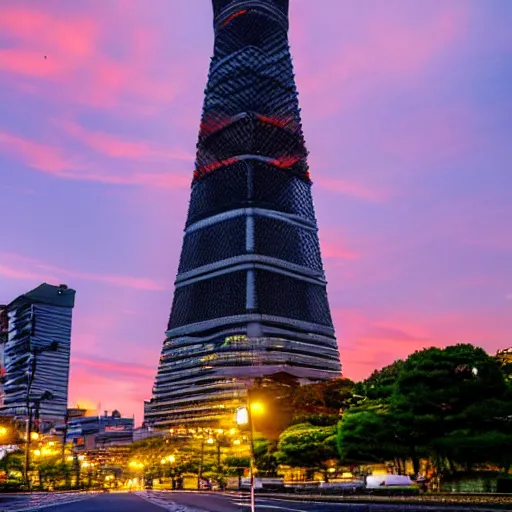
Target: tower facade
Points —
{"points": [[250, 297], [36, 353]]}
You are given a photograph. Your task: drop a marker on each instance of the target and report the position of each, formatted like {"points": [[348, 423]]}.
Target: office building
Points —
{"points": [[36, 350], [250, 295]]}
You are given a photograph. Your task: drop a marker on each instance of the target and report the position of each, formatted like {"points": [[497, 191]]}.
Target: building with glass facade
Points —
{"points": [[250, 297], [36, 350]]}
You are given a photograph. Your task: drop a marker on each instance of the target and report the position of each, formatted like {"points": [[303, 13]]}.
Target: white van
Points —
{"points": [[378, 481]]}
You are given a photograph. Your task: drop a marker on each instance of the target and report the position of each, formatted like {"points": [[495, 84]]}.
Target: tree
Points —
{"points": [[322, 403], [12, 464], [368, 434], [469, 449], [381, 383], [265, 457], [435, 394], [276, 393], [306, 445]]}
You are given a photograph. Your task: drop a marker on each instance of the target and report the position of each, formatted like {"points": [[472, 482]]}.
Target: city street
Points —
{"points": [[154, 501], [38, 500], [97, 502], [240, 502], [213, 502]]}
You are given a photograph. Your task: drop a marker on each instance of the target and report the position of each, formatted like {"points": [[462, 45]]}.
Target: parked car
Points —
{"points": [[391, 484], [341, 487]]}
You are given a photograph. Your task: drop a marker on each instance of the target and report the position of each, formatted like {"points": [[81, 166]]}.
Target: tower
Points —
{"points": [[250, 297]]}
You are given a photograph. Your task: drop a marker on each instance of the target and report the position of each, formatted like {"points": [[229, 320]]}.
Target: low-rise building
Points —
{"points": [[94, 432]]}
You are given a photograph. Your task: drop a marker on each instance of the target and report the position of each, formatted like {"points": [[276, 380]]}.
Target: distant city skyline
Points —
{"points": [[406, 111]]}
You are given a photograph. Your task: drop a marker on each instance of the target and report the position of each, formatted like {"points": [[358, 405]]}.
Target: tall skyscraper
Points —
{"points": [[250, 297], [36, 350]]}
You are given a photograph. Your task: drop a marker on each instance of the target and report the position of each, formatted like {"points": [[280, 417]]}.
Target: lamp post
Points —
{"points": [[201, 463], [244, 417], [31, 373]]}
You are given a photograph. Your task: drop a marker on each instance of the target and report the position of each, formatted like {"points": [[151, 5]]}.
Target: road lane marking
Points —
{"points": [[260, 505]]}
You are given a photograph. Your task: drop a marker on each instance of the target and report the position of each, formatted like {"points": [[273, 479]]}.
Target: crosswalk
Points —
{"points": [[226, 502], [242, 499], [38, 501], [232, 500], [159, 498]]}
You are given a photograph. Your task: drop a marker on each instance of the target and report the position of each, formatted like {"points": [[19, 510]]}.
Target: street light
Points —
{"points": [[31, 373], [257, 408], [244, 417]]}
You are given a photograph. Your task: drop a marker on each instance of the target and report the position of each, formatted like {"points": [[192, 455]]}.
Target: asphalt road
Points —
{"points": [[155, 501], [212, 502], [196, 502], [111, 502]]}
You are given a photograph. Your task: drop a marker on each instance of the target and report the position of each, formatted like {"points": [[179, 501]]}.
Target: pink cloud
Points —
{"points": [[29, 63], [370, 340], [91, 387], [11, 272], [112, 384], [117, 147], [75, 59], [384, 49], [366, 343], [334, 248], [130, 370], [14, 266], [351, 189], [40, 156], [52, 160], [57, 51]]}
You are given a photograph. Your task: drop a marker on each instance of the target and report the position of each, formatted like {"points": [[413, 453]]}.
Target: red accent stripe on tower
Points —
{"points": [[285, 162], [281, 123], [232, 17]]}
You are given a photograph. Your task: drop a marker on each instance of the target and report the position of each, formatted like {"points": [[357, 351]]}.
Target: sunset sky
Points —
{"points": [[407, 113]]}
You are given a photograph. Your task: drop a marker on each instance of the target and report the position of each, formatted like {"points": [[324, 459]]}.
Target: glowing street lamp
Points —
{"points": [[257, 408], [244, 417]]}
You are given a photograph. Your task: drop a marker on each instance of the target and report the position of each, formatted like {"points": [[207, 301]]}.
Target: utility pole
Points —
{"points": [[30, 381], [31, 373], [201, 463], [64, 437], [252, 459]]}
